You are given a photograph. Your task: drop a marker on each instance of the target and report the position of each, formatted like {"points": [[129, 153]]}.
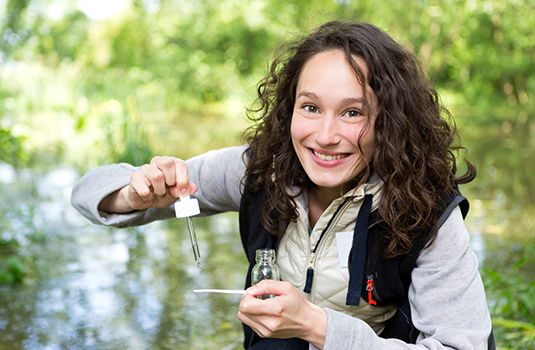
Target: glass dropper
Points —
{"points": [[186, 208], [194, 244]]}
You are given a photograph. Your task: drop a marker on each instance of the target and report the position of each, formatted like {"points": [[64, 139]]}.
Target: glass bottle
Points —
{"points": [[265, 268]]}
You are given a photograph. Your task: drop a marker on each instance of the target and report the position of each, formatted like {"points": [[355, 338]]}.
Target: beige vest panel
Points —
{"points": [[329, 287]]}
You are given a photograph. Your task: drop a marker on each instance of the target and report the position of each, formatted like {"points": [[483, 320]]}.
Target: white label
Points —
{"points": [[344, 241]]}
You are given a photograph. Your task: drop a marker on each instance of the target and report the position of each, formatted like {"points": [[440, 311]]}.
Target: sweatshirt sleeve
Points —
{"points": [[217, 174], [447, 299]]}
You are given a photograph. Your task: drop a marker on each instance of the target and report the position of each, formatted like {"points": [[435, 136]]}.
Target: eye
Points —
{"points": [[353, 113], [310, 108]]}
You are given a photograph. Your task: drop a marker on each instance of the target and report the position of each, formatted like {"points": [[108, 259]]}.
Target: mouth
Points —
{"points": [[329, 157]]}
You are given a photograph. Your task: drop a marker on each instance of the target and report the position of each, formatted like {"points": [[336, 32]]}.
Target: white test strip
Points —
{"points": [[222, 291]]}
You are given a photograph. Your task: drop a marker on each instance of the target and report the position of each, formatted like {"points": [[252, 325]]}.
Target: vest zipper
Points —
{"points": [[371, 284], [310, 273], [371, 290], [313, 254]]}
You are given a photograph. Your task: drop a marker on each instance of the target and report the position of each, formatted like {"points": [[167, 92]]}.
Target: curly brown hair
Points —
{"points": [[416, 141]]}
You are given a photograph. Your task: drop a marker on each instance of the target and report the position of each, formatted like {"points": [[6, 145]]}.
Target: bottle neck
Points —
{"points": [[265, 256]]}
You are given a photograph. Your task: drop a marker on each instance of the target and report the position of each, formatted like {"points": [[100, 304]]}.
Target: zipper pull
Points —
{"points": [[310, 275], [369, 288]]}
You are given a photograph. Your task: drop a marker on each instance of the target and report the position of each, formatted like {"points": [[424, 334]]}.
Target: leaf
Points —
{"points": [[507, 323], [493, 274], [518, 263], [16, 268]]}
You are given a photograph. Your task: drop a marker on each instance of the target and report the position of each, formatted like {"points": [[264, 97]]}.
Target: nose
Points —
{"points": [[328, 131]]}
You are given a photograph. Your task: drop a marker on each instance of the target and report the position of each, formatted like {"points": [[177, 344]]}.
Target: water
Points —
{"points": [[92, 287]]}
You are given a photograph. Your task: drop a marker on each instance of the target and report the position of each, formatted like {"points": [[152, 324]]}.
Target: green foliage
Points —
{"points": [[11, 147], [513, 316], [518, 335], [512, 292], [515, 295], [12, 270], [11, 142], [124, 141], [198, 61]]}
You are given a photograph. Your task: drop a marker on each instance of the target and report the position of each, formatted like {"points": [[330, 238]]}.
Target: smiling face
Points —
{"points": [[328, 119]]}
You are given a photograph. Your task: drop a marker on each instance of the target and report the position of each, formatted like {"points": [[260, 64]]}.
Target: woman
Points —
{"points": [[350, 150]]}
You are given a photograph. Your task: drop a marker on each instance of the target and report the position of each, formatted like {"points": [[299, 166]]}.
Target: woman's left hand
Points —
{"points": [[287, 315]]}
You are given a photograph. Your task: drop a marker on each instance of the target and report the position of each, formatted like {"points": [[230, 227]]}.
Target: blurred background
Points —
{"points": [[91, 82]]}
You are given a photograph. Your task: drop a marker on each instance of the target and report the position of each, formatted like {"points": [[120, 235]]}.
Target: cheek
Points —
{"points": [[369, 150], [366, 138], [296, 130], [368, 143]]}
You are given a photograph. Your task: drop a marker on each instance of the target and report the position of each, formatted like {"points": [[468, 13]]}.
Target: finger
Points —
{"points": [[156, 179], [167, 167], [264, 326], [140, 184], [256, 323], [182, 178], [254, 308], [192, 188], [243, 318], [272, 287]]}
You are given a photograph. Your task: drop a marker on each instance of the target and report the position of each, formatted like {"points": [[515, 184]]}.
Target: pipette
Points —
{"points": [[185, 208], [221, 291]]}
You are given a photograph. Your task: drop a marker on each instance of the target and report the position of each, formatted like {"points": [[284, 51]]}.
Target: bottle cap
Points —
{"points": [[187, 206]]}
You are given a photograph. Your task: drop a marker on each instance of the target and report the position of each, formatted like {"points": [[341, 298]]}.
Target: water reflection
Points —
{"points": [[92, 287]]}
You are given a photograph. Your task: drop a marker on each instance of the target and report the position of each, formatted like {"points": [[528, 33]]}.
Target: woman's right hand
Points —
{"points": [[155, 185]]}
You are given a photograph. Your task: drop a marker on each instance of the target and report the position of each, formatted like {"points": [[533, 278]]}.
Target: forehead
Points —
{"points": [[337, 56], [330, 71]]}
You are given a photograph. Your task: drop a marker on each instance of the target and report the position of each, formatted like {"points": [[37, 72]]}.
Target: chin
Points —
{"points": [[327, 183]]}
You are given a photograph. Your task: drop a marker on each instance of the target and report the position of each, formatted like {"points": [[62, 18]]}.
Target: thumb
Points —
{"points": [[268, 287]]}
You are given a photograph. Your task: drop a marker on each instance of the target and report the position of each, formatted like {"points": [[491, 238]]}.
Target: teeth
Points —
{"points": [[329, 157]]}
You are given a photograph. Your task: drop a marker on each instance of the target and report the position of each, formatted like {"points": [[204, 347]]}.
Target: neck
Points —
{"points": [[319, 198], [324, 196]]}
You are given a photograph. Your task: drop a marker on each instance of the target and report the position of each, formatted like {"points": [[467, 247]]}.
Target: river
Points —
{"points": [[91, 287]]}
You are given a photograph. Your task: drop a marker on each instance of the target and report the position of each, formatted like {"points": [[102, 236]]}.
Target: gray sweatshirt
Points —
{"points": [[446, 296]]}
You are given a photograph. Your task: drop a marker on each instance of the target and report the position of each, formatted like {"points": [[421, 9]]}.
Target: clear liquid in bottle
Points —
{"points": [[265, 268]]}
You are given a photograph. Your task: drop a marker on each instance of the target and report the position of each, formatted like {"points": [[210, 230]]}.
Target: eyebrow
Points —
{"points": [[346, 100]]}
